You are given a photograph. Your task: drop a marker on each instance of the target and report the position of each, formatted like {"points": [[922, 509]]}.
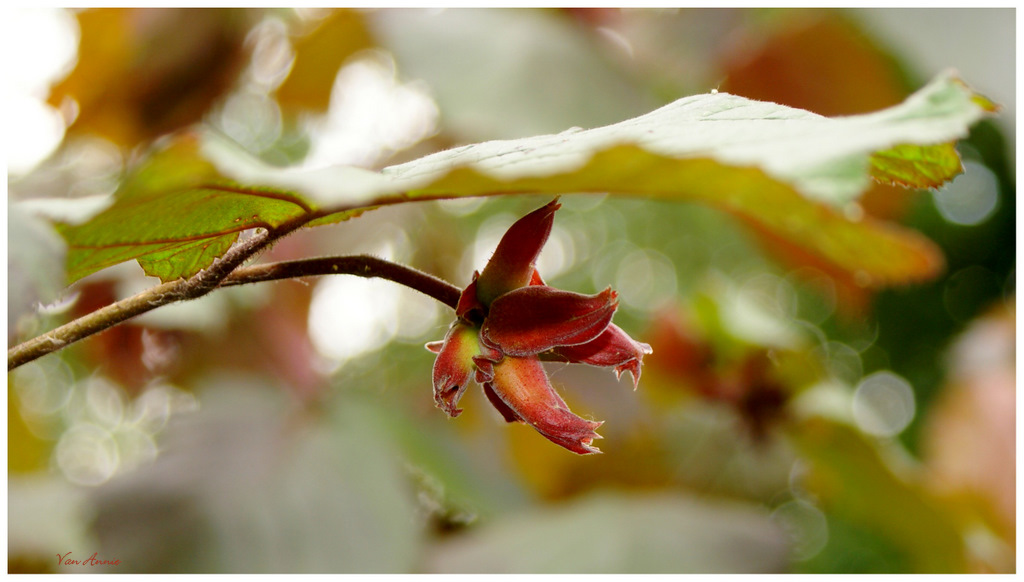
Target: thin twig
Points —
{"points": [[196, 286], [226, 271], [115, 313], [359, 265]]}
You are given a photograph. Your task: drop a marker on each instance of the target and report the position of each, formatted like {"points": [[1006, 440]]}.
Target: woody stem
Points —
{"points": [[358, 265], [226, 273]]}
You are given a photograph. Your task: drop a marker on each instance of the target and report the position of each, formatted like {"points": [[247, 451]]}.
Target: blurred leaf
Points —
{"points": [[145, 72], [851, 479], [251, 483], [818, 60], [614, 534], [176, 215], [853, 549], [822, 61], [969, 443], [25, 451], [318, 56], [35, 265], [47, 515], [509, 73], [464, 484]]}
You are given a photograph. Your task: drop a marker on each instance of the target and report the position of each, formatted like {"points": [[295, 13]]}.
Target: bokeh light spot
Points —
{"points": [[760, 309], [645, 280], [968, 288], [558, 254], [843, 362], [883, 404], [350, 316], [372, 115], [39, 130], [805, 525], [253, 119], [104, 402], [87, 454], [484, 243], [970, 198]]}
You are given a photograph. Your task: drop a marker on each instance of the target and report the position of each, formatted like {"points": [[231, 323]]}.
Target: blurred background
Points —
{"points": [[788, 420]]}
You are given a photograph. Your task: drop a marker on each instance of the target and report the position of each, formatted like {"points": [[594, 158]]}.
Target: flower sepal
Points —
{"points": [[534, 319], [523, 388], [454, 366], [613, 348]]}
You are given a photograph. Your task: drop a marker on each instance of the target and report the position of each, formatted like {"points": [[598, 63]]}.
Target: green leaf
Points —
{"points": [[916, 166], [824, 159], [186, 258], [787, 172], [175, 214], [880, 253], [850, 478]]}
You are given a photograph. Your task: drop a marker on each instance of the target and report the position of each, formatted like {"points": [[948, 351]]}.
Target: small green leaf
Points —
{"points": [[175, 214], [916, 166]]}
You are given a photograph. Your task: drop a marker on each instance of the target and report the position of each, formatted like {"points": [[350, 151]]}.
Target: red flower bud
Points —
{"points": [[508, 320]]}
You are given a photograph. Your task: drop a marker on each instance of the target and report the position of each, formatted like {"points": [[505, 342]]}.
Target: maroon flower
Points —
{"points": [[508, 321]]}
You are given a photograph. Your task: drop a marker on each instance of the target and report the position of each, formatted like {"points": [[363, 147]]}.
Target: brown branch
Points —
{"points": [[359, 265], [106, 317], [218, 273], [203, 283]]}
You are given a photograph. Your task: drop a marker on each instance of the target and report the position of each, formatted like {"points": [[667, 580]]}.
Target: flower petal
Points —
{"points": [[469, 308], [512, 264], [506, 412], [522, 386], [530, 320], [613, 347], [454, 366]]}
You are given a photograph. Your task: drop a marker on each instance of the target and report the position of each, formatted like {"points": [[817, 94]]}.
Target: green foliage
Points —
{"points": [[764, 163], [175, 214]]}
